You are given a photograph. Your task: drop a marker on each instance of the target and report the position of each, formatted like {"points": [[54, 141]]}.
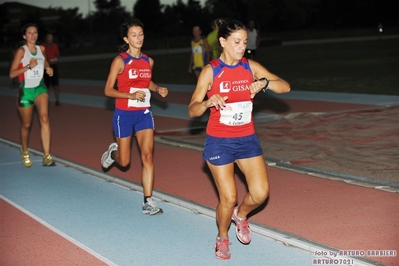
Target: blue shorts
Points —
{"points": [[128, 122], [221, 151]]}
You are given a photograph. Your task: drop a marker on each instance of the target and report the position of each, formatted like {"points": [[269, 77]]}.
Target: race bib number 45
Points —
{"points": [[236, 114]]}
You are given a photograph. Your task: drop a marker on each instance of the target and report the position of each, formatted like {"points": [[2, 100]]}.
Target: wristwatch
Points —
{"points": [[266, 87], [28, 66]]}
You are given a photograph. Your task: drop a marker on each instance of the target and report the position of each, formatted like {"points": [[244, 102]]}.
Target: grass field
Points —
{"points": [[367, 67]]}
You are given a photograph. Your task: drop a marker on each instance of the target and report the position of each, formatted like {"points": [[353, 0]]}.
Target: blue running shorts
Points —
{"points": [[221, 151], [128, 122]]}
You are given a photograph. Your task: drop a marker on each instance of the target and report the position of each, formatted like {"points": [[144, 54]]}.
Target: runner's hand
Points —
{"points": [[162, 91], [217, 101], [33, 62], [256, 87], [49, 71]]}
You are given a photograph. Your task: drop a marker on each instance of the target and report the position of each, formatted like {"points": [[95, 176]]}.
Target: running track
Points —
{"points": [[68, 215]]}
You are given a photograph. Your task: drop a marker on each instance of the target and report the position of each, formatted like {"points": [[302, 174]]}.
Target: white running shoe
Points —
{"points": [[151, 208], [106, 159]]}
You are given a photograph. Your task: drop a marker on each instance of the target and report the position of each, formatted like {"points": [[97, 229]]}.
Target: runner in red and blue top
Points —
{"points": [[227, 87], [233, 82], [131, 71]]}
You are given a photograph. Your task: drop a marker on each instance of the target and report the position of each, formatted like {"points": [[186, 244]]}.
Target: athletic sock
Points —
{"points": [[240, 219], [145, 198]]}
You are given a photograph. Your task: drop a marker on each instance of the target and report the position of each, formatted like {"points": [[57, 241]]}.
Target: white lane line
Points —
{"points": [[283, 237], [60, 233]]}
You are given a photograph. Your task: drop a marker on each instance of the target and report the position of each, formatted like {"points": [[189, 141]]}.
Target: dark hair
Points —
{"points": [[227, 27], [26, 26], [124, 29], [217, 22]]}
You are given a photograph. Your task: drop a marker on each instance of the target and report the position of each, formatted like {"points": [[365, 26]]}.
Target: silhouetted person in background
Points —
{"points": [[253, 40], [52, 54], [214, 46], [199, 52]]}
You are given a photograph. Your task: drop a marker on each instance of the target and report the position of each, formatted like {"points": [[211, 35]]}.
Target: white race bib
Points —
{"points": [[236, 114], [34, 75], [138, 103], [197, 49]]}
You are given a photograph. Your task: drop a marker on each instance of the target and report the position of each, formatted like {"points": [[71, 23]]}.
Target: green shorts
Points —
{"points": [[27, 96]]}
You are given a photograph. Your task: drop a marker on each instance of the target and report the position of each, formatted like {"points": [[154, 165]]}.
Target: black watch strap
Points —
{"points": [[266, 87]]}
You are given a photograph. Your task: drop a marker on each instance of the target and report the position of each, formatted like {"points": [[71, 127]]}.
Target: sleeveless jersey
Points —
{"points": [[234, 120], [199, 53], [213, 42], [31, 78], [136, 75]]}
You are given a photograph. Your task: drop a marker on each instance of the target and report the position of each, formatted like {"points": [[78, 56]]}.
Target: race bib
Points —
{"points": [[197, 49], [137, 103], [34, 75], [236, 114]]}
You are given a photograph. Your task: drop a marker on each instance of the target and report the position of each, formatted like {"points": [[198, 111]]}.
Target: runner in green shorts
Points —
{"points": [[27, 96], [29, 65]]}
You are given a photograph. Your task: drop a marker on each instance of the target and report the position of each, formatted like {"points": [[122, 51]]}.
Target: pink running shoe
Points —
{"points": [[243, 232], [222, 248]]}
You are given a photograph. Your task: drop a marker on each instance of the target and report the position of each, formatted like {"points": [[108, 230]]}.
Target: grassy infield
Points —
{"points": [[367, 67]]}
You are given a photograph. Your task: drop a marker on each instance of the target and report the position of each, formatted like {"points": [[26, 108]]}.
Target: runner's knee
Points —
{"points": [[228, 201], [123, 161]]}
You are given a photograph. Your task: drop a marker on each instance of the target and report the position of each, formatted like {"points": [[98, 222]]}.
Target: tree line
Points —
{"points": [[169, 21]]}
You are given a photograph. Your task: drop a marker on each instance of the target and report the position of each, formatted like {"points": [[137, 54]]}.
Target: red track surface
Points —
{"points": [[333, 213], [24, 241]]}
